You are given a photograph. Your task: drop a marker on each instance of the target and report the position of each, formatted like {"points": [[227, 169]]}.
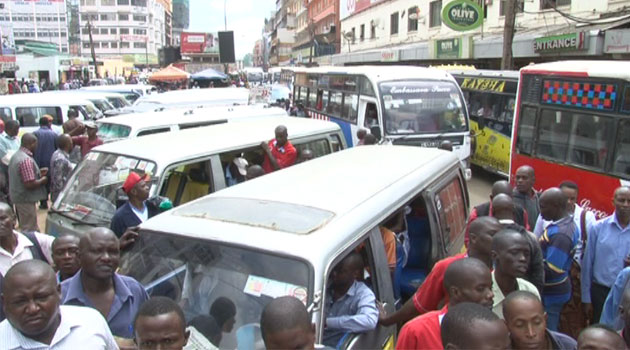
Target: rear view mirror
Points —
{"points": [[376, 131]]}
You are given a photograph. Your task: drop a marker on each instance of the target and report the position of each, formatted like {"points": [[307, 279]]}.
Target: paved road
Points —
{"points": [[480, 185]]}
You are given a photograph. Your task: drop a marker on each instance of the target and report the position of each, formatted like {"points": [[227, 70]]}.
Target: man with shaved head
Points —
{"points": [[97, 285], [60, 166], [285, 324], [607, 249], [431, 292], [27, 183], [525, 195], [350, 305], [472, 326], [557, 243], [279, 152], [35, 319], [600, 337], [466, 280], [487, 209]]}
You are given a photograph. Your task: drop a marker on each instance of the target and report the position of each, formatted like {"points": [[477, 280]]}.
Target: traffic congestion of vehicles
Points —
{"points": [[346, 188]]}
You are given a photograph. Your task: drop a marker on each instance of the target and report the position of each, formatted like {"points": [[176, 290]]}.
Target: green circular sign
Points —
{"points": [[462, 15]]}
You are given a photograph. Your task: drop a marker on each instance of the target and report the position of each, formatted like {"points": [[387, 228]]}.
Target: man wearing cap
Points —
{"points": [[236, 171], [46, 146], [90, 141], [137, 210]]}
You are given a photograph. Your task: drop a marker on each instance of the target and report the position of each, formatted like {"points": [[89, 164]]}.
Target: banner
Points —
{"points": [[199, 43]]}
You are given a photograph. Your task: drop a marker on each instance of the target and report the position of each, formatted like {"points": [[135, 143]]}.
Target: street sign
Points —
{"points": [[561, 43], [462, 15]]}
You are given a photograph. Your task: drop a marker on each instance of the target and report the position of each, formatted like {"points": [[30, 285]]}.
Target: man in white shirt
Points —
{"points": [[35, 319]]}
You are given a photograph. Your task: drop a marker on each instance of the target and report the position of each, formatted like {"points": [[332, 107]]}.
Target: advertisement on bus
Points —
{"points": [[199, 43]]}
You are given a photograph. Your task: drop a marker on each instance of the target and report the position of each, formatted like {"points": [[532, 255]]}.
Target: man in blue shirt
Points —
{"points": [[606, 249], [557, 242], [610, 312], [46, 146], [350, 305], [97, 285]]}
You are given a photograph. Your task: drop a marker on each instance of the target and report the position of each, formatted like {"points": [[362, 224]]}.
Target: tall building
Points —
{"points": [[43, 21], [133, 29], [181, 19], [283, 35]]}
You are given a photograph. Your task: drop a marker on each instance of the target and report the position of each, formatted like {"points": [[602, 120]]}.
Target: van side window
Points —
{"points": [[5, 114], [187, 182], [29, 116], [232, 163], [319, 147], [153, 131], [451, 209]]}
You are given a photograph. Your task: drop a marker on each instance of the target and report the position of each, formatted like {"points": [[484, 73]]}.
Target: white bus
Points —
{"points": [[403, 105]]}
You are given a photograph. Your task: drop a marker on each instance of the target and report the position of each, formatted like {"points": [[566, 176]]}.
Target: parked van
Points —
{"points": [[150, 123], [184, 166], [117, 100], [28, 108], [190, 98], [131, 91], [284, 233]]}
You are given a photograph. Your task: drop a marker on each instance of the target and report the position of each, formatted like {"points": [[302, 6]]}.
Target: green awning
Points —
{"points": [[43, 51]]}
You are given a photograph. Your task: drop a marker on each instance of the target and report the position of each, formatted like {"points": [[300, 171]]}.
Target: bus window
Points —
{"points": [[525, 138], [302, 95], [334, 105], [371, 116], [621, 165], [366, 87], [626, 99], [322, 100], [312, 98], [554, 129], [588, 145], [350, 107]]}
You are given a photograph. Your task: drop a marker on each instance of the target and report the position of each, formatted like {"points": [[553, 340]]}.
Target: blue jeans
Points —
{"points": [[553, 315]]}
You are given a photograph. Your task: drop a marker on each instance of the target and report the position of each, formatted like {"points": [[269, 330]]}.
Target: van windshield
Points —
{"points": [[198, 274], [94, 190], [109, 132], [422, 107], [90, 112]]}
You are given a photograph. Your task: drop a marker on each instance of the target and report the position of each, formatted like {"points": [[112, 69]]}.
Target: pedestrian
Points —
{"points": [[223, 311], [600, 337], [557, 242], [305, 155], [90, 141], [279, 152], [65, 256], [27, 183], [473, 326], [9, 144], [361, 136], [610, 312], [606, 254], [36, 320], [60, 166], [510, 253], [254, 171], [160, 324], [46, 146], [286, 324], [97, 285], [527, 322], [370, 139], [431, 293], [137, 209], [525, 195], [24, 87], [466, 280], [73, 126], [624, 315]]}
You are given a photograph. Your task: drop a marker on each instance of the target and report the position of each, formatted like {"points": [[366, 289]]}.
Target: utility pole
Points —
{"points": [[507, 61], [89, 28]]}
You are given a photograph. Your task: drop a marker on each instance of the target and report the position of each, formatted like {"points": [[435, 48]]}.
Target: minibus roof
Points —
{"points": [[191, 115], [314, 208], [240, 95], [42, 99], [383, 73], [169, 148], [583, 69]]}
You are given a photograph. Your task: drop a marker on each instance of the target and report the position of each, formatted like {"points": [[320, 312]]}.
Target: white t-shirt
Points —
{"points": [[80, 328], [23, 252], [143, 215]]}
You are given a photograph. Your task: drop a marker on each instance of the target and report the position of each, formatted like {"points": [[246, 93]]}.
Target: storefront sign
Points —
{"points": [[462, 15], [448, 48], [617, 41], [390, 56], [561, 43], [482, 84]]}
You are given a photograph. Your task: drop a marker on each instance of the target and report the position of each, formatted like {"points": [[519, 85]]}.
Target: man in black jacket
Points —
{"points": [[137, 209]]}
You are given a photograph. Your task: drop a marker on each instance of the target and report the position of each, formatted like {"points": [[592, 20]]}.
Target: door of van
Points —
{"points": [[378, 279], [366, 104]]}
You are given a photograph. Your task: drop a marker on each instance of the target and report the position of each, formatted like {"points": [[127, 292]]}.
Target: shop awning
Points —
{"points": [[169, 73], [209, 74]]}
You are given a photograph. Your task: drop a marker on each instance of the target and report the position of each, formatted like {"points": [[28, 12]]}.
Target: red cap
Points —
{"points": [[132, 180]]}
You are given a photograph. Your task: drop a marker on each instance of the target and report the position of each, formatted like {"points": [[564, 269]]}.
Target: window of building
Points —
{"points": [[354, 34], [435, 13], [124, 44], [104, 31], [62, 19], [105, 45], [113, 31], [141, 3], [108, 17], [139, 18], [520, 7], [123, 17], [113, 44], [124, 30], [139, 45], [549, 4], [412, 23], [372, 31], [139, 31], [362, 32], [108, 2], [123, 2], [88, 2], [393, 30], [64, 34], [86, 45]]}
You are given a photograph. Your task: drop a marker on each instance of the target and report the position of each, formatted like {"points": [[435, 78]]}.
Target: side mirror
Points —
{"points": [[481, 123], [376, 131]]}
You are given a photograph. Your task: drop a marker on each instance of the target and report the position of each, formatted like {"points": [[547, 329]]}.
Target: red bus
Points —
{"points": [[572, 122]]}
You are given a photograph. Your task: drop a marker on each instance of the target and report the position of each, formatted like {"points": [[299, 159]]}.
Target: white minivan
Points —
{"points": [[184, 165], [150, 123]]}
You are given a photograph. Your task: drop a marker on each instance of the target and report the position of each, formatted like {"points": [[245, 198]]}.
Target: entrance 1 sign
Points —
{"points": [[462, 15]]}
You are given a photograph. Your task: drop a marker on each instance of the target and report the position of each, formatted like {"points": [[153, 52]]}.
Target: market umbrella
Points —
{"points": [[209, 74], [169, 73]]}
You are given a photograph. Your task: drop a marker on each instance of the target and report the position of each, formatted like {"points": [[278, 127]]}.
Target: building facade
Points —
{"points": [[181, 19], [133, 29], [412, 32], [283, 34]]}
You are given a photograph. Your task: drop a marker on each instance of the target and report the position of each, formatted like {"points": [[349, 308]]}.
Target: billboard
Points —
{"points": [[348, 8], [199, 43]]}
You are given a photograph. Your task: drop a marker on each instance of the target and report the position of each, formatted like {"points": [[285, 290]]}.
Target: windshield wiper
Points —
{"points": [[77, 220]]}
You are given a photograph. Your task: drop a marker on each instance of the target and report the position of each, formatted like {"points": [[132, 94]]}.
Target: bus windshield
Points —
{"points": [[198, 274], [422, 107]]}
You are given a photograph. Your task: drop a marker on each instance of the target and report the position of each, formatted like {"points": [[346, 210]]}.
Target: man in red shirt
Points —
{"points": [[279, 152], [465, 280], [90, 141], [432, 292]]}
